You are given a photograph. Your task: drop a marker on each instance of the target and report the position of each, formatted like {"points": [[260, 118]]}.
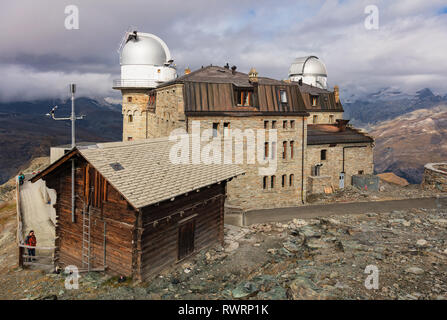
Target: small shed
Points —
{"points": [[135, 211]]}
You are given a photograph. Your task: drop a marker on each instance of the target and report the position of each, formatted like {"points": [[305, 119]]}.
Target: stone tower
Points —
{"points": [[145, 63]]}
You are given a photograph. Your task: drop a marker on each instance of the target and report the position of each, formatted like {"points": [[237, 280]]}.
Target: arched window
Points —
{"points": [[283, 181], [264, 182], [272, 182], [291, 180]]}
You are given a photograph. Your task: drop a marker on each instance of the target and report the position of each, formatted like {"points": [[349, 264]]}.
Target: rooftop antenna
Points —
{"points": [[130, 31], [73, 119]]}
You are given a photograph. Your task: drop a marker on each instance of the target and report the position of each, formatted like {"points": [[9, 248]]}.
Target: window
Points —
{"points": [[283, 181], [152, 98], [323, 154], [274, 124], [331, 118], [291, 180], [226, 128], [129, 138], [314, 100], [244, 97], [266, 124], [292, 124], [215, 129], [292, 143], [95, 187], [129, 99], [316, 170], [264, 182], [273, 150], [284, 150], [284, 124], [130, 118], [272, 181], [361, 172], [315, 118], [266, 150], [283, 96]]}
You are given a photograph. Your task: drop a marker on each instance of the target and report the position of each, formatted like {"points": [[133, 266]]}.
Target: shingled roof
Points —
{"points": [[330, 134], [143, 173]]}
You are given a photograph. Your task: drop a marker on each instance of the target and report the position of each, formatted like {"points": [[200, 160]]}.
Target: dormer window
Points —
{"points": [[244, 97], [283, 96], [314, 100]]}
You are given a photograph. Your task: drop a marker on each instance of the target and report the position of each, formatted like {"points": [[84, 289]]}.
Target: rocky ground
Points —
{"points": [[387, 191], [323, 258]]}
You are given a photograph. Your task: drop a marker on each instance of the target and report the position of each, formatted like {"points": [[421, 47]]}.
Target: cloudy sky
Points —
{"points": [[39, 56]]}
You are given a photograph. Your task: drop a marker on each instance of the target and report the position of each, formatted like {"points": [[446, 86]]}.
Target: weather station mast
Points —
{"points": [[73, 119]]}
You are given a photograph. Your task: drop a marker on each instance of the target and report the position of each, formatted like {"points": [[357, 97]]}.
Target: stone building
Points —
{"points": [[306, 139]]}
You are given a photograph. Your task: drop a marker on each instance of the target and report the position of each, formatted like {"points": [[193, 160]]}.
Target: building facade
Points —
{"points": [[224, 101]]}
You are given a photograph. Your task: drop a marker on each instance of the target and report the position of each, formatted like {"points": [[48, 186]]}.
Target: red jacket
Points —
{"points": [[31, 241]]}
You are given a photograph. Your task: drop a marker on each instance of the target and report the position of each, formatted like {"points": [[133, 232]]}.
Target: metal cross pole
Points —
{"points": [[73, 119]]}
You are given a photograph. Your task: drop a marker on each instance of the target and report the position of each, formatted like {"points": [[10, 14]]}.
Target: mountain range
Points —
{"points": [[410, 129], [26, 132]]}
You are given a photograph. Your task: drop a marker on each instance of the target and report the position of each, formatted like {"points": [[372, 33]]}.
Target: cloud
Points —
{"points": [[407, 51]]}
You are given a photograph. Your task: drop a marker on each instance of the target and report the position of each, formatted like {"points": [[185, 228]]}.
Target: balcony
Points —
{"points": [[136, 83]]}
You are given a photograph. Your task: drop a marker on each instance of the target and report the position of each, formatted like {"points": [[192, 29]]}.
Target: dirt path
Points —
{"points": [[37, 213], [287, 214]]}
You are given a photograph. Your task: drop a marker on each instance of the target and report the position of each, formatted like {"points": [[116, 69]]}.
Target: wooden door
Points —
{"points": [[186, 239]]}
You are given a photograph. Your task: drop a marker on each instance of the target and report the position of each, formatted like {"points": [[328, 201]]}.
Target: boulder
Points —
{"points": [[392, 178]]}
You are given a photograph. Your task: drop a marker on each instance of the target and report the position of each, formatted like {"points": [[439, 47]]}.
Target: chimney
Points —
{"points": [[187, 71], [227, 66], [337, 94], [341, 124], [233, 69], [253, 76]]}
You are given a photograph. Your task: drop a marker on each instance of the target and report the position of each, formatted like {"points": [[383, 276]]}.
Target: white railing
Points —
{"points": [[136, 83]]}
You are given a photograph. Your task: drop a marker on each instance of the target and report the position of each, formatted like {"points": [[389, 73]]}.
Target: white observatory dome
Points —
{"points": [[145, 61], [310, 70], [144, 50]]}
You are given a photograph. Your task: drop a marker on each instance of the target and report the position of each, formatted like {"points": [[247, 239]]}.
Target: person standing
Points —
{"points": [[31, 241]]}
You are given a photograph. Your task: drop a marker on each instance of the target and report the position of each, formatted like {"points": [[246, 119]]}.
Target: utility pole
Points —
{"points": [[73, 119]]}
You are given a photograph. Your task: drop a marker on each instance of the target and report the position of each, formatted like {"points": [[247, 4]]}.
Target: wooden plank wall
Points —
{"points": [[120, 221], [159, 242]]}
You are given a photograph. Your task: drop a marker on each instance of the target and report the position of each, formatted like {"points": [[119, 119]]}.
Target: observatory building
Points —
{"points": [[145, 63], [316, 149], [309, 70]]}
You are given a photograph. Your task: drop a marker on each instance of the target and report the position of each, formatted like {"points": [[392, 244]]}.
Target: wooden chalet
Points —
{"points": [[135, 211]]}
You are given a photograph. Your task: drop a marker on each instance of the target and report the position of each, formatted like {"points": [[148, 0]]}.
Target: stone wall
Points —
{"points": [[247, 192], [435, 177], [324, 117], [135, 105], [357, 159], [318, 183]]}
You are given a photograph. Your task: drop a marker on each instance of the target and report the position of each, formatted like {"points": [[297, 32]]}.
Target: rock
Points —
{"points": [[290, 246], [277, 293], [303, 289], [392, 178], [315, 244], [244, 290], [231, 246], [415, 270], [299, 222], [308, 232], [421, 243], [187, 270]]}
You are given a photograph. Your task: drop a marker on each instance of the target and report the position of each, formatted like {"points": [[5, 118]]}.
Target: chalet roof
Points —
{"points": [[143, 173], [329, 133], [216, 74]]}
